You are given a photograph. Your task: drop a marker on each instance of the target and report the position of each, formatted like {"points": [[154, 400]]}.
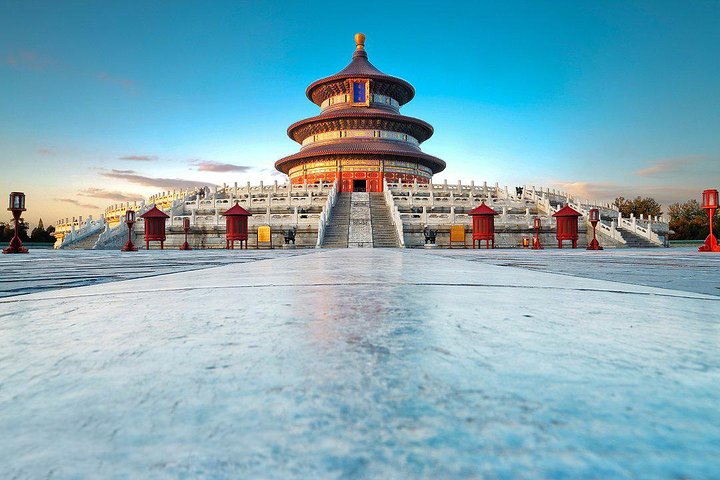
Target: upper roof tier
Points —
{"points": [[360, 67]]}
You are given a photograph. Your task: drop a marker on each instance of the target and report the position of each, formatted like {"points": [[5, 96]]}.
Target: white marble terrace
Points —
{"points": [[308, 208]]}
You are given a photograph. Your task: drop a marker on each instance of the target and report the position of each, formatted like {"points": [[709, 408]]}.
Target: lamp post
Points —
{"points": [[129, 221], [186, 228], [594, 218], [710, 204], [537, 223], [16, 205]]}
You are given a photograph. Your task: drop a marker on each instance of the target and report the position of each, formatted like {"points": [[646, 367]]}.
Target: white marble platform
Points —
{"points": [[360, 363]]}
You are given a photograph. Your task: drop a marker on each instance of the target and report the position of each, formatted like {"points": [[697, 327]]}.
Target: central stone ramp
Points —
{"points": [[336, 231], [360, 219], [360, 231], [384, 234]]}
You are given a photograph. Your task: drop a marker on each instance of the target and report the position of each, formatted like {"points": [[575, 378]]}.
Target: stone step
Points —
{"points": [[383, 231], [336, 231], [85, 244], [636, 241]]}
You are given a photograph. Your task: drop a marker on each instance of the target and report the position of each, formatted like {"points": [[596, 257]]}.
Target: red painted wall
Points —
{"points": [[373, 179]]}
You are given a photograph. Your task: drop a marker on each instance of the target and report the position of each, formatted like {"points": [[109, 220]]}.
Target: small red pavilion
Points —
{"points": [[483, 225], [154, 226], [567, 225], [236, 222]]}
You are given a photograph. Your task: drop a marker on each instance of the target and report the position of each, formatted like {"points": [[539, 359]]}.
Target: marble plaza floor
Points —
{"points": [[50, 269], [360, 363]]}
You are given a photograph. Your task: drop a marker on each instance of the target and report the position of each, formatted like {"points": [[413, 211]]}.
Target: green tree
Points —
{"points": [[689, 221], [638, 206], [8, 231], [39, 234], [5, 232]]}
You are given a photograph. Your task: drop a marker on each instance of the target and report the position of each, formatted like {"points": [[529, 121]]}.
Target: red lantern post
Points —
{"points": [[236, 223], [537, 224], [129, 221], [16, 206], [594, 218], [483, 221], [710, 204], [154, 226], [567, 225], [186, 229]]}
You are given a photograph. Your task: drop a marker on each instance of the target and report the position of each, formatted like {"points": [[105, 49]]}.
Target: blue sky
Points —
{"points": [[600, 98]]}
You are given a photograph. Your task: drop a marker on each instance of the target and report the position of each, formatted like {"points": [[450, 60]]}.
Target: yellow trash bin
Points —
{"points": [[264, 236], [457, 235]]}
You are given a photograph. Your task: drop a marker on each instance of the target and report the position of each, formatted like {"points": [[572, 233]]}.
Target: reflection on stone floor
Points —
{"points": [[360, 364]]}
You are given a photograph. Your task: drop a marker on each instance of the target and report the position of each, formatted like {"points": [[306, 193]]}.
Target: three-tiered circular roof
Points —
{"points": [[380, 114]]}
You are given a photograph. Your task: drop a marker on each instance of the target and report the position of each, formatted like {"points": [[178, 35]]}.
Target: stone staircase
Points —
{"points": [[383, 231], [336, 232], [86, 243], [634, 240]]}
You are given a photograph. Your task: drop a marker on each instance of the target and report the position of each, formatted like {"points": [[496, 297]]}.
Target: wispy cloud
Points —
{"points": [[272, 172], [47, 151], [139, 158], [666, 166], [209, 166], [591, 190], [166, 183], [109, 194], [106, 77], [23, 59], [78, 204], [607, 192], [29, 60]]}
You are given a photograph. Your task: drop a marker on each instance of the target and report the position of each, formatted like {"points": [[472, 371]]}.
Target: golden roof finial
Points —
{"points": [[360, 41]]}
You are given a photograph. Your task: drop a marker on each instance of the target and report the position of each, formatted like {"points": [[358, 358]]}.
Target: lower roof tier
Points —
{"points": [[375, 148]]}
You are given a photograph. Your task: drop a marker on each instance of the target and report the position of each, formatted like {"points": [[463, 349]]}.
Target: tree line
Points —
{"points": [[39, 234], [688, 220]]}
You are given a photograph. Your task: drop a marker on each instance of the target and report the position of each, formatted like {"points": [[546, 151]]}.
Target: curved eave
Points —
{"points": [[312, 90], [374, 148], [349, 114]]}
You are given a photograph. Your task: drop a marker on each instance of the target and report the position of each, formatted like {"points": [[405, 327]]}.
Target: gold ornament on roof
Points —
{"points": [[360, 41]]}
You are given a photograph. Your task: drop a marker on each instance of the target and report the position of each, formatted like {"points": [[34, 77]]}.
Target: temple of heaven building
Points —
{"points": [[360, 137]]}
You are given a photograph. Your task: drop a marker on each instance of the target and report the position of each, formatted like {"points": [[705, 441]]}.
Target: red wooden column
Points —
{"points": [[537, 225], [186, 229], [16, 206], [594, 218], [567, 225], [129, 221], [483, 225], [154, 226], [710, 204], [236, 223]]}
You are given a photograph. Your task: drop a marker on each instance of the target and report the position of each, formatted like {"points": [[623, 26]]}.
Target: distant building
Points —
{"points": [[360, 137]]}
